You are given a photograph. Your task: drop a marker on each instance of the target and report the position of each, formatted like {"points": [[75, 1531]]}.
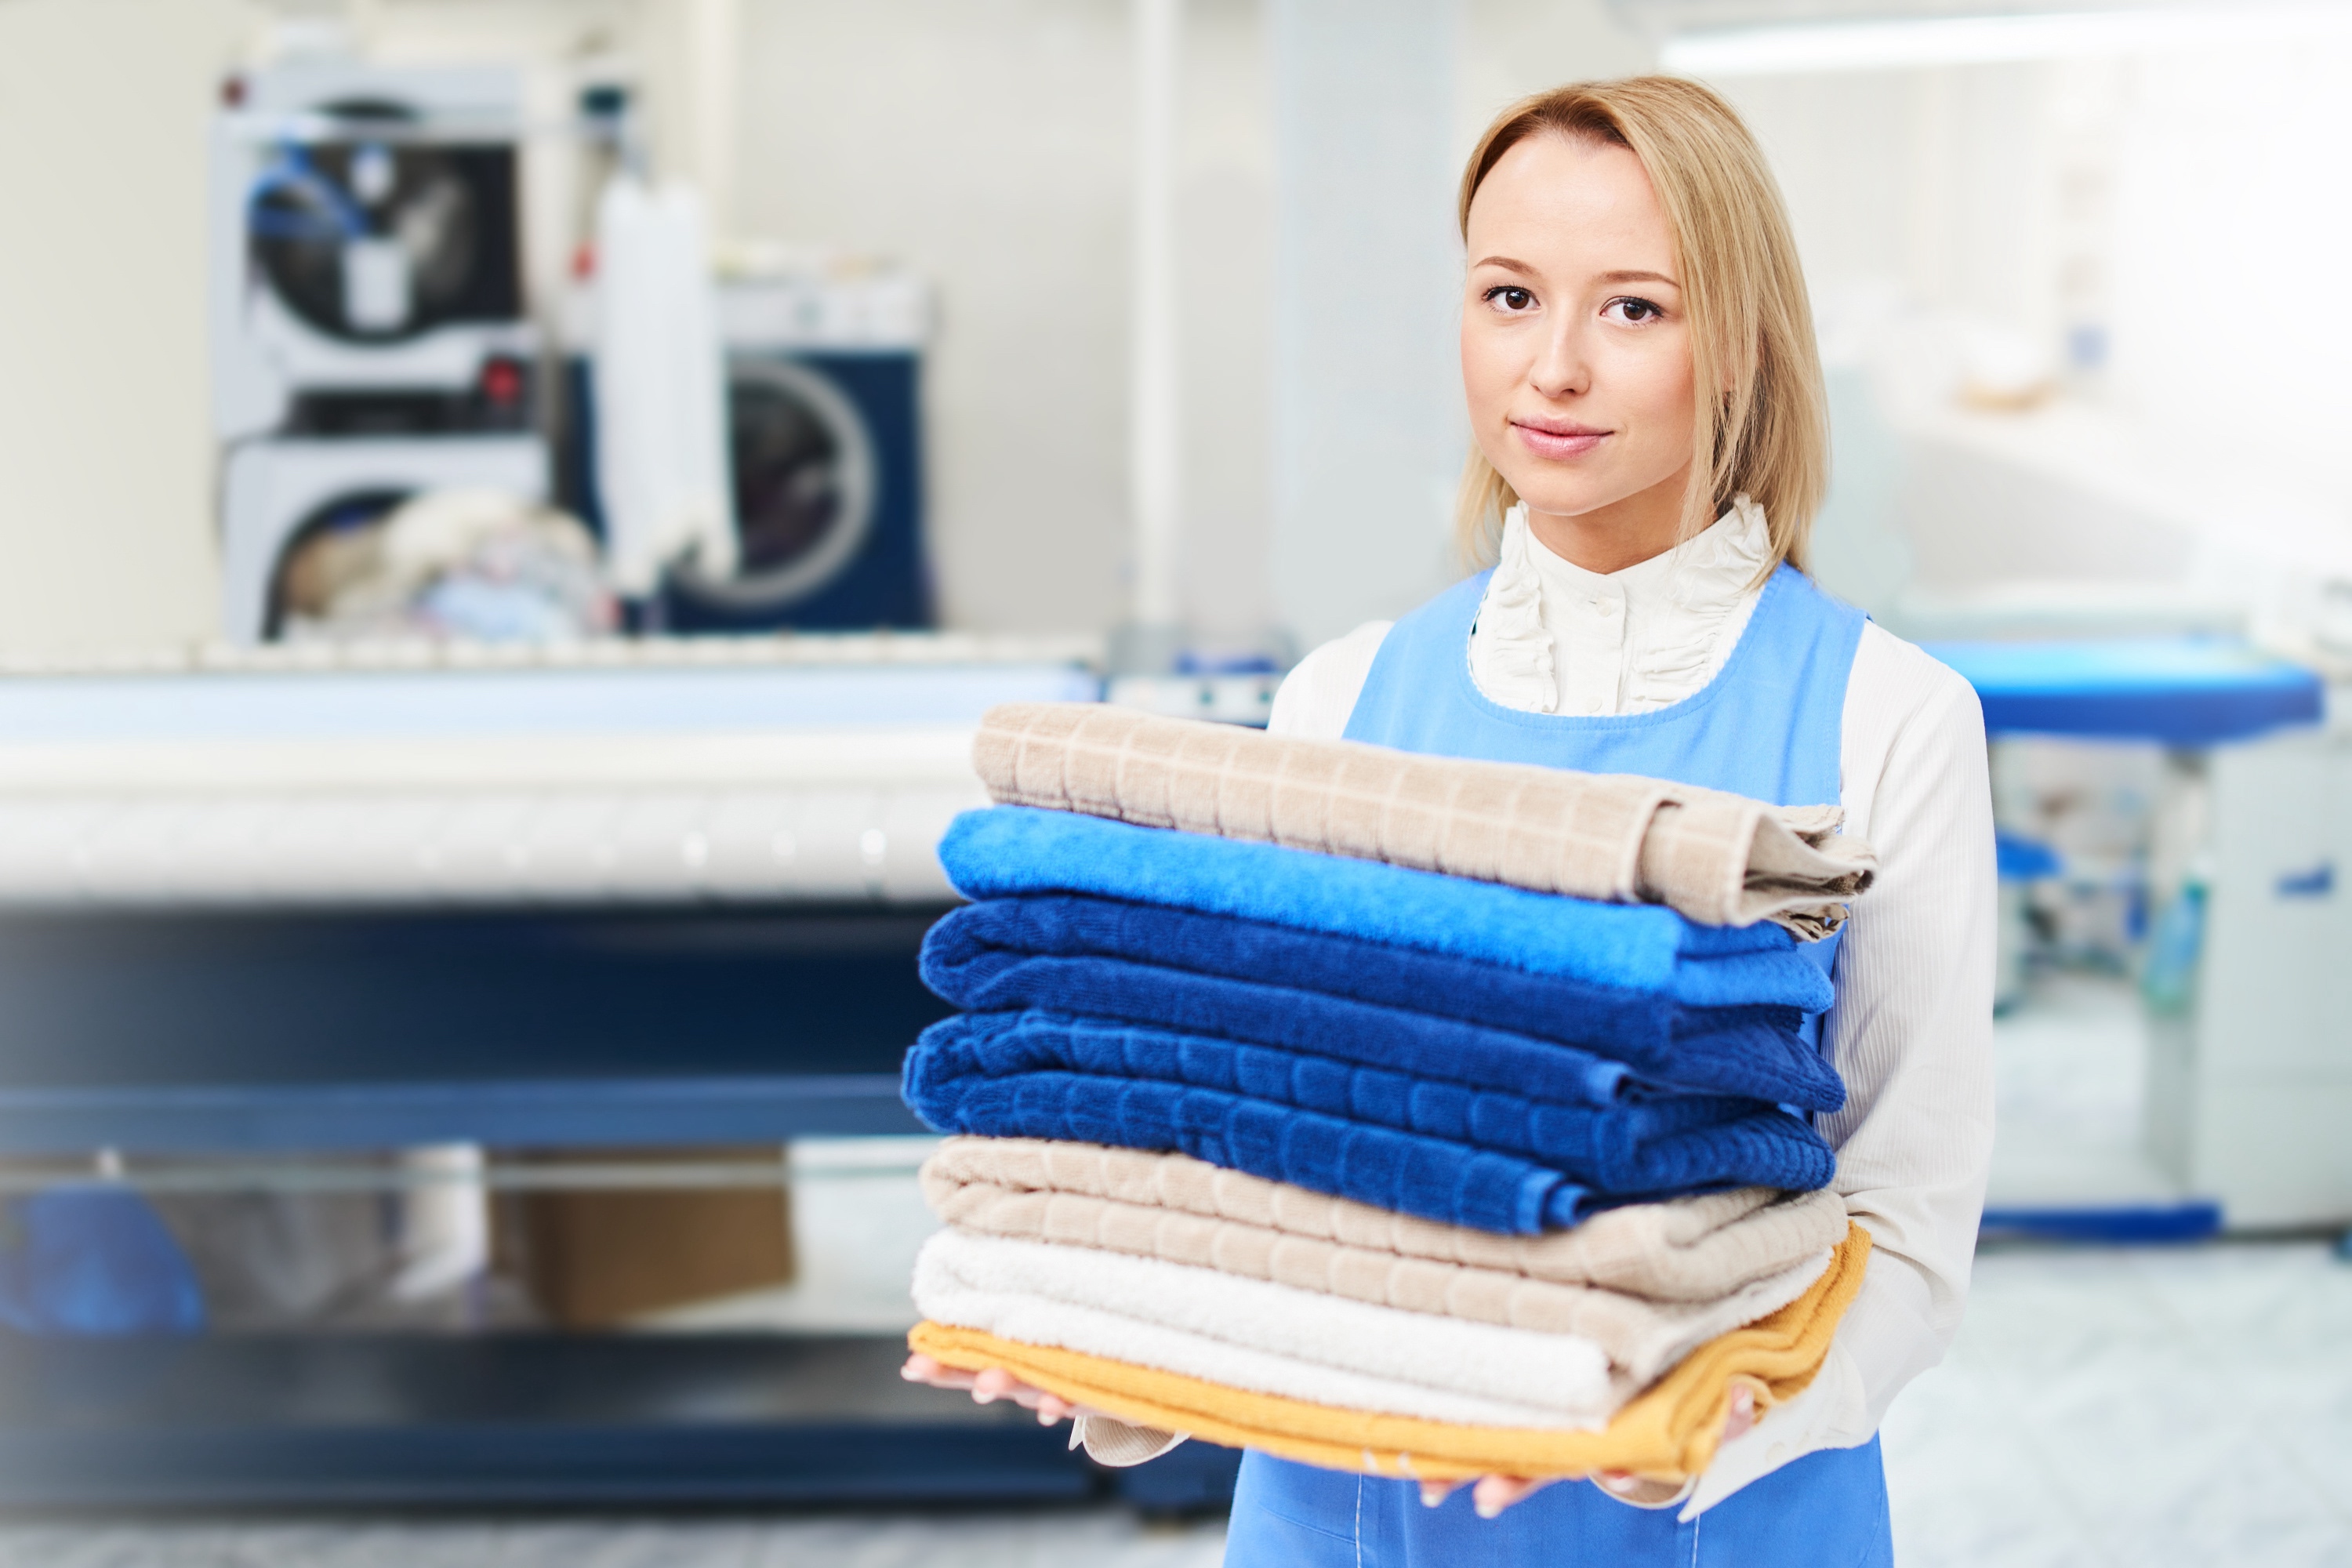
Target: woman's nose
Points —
{"points": [[1562, 368]]}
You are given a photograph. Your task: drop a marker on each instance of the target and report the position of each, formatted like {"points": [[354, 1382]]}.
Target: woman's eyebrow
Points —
{"points": [[1512, 264]]}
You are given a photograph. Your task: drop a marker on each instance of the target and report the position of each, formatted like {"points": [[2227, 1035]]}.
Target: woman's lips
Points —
{"points": [[1559, 441]]}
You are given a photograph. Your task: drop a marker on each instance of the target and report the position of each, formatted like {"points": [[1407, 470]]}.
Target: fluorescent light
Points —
{"points": [[1886, 45]]}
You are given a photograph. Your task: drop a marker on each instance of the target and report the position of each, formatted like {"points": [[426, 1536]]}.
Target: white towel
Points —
{"points": [[662, 464], [1248, 1333]]}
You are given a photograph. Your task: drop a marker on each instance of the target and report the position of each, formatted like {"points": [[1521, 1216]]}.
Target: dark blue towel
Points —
{"points": [[1010, 851], [1675, 1144], [1401, 1171], [1391, 1007]]}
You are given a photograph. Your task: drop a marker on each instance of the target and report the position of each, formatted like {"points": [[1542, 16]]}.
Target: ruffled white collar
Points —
{"points": [[1683, 607]]}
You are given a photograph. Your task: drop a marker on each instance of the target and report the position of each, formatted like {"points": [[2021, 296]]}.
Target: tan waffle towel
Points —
{"points": [[1696, 1249], [1721, 860]]}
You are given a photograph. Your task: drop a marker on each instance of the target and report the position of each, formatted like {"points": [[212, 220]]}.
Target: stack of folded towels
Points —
{"points": [[1370, 1110]]}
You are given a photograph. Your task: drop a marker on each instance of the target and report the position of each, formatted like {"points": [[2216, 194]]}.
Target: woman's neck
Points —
{"points": [[1624, 533]]}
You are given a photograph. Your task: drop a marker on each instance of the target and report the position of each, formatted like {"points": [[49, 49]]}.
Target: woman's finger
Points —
{"points": [[993, 1384], [1493, 1494], [1436, 1492], [923, 1369], [988, 1386], [1742, 1416]]}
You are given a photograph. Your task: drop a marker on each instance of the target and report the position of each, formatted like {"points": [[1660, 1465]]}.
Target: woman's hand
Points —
{"points": [[988, 1386], [1493, 1494]]}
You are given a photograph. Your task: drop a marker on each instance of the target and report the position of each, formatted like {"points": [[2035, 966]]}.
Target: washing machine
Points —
{"points": [[825, 385], [287, 499], [365, 258]]}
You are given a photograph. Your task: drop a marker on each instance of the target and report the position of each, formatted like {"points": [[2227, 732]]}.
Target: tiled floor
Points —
{"points": [[1097, 1540], [2141, 1408]]}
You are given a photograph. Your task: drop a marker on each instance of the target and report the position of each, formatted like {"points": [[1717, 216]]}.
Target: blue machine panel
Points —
{"points": [[828, 465]]}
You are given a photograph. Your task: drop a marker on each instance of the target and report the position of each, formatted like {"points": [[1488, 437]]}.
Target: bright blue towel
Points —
{"points": [[1676, 1143], [1008, 851], [1391, 1007]]}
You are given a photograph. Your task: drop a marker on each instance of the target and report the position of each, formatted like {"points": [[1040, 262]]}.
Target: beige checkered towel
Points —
{"points": [[1721, 860], [1690, 1250]]}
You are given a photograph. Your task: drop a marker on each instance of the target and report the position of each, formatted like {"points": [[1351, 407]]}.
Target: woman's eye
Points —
{"points": [[1631, 311], [1511, 298]]}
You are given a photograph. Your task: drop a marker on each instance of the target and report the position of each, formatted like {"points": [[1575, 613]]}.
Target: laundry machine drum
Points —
{"points": [[438, 216], [333, 545], [805, 487]]}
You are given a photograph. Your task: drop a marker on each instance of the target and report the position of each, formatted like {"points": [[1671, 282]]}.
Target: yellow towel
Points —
{"points": [[1667, 1433]]}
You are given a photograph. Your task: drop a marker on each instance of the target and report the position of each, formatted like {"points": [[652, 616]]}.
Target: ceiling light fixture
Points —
{"points": [[1894, 44]]}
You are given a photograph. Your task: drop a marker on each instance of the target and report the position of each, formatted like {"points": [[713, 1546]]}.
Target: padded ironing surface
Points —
{"points": [[574, 784], [384, 704], [2186, 691]]}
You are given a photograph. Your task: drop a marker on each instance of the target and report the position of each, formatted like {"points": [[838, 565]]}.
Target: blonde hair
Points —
{"points": [[1763, 424]]}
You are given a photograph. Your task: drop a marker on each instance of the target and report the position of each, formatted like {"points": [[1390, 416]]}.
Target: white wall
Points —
{"points": [[1509, 48], [106, 467], [2190, 206], [2232, 325], [1935, 181]]}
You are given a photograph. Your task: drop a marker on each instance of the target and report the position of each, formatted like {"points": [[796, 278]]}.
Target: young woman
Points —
{"points": [[1650, 446]]}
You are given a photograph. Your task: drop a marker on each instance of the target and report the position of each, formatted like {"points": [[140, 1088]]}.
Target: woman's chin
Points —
{"points": [[1544, 493]]}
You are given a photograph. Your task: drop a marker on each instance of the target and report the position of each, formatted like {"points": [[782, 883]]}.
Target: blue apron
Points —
{"points": [[1768, 727]]}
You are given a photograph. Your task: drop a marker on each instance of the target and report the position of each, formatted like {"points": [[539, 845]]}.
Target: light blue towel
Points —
{"points": [[1012, 851]]}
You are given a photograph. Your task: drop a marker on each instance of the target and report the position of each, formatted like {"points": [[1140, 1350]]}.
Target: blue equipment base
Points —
{"points": [[2120, 1224], [521, 1421], [367, 1030], [527, 1113]]}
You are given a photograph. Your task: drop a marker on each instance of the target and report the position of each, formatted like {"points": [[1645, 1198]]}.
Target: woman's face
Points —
{"points": [[1576, 355]]}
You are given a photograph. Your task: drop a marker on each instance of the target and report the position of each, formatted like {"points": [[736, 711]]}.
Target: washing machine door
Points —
{"points": [[330, 550], [804, 491], [379, 240]]}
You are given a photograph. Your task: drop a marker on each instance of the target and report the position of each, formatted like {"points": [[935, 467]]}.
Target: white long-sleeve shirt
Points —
{"points": [[1912, 1029]]}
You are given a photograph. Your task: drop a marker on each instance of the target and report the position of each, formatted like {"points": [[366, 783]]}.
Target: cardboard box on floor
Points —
{"points": [[596, 1258]]}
